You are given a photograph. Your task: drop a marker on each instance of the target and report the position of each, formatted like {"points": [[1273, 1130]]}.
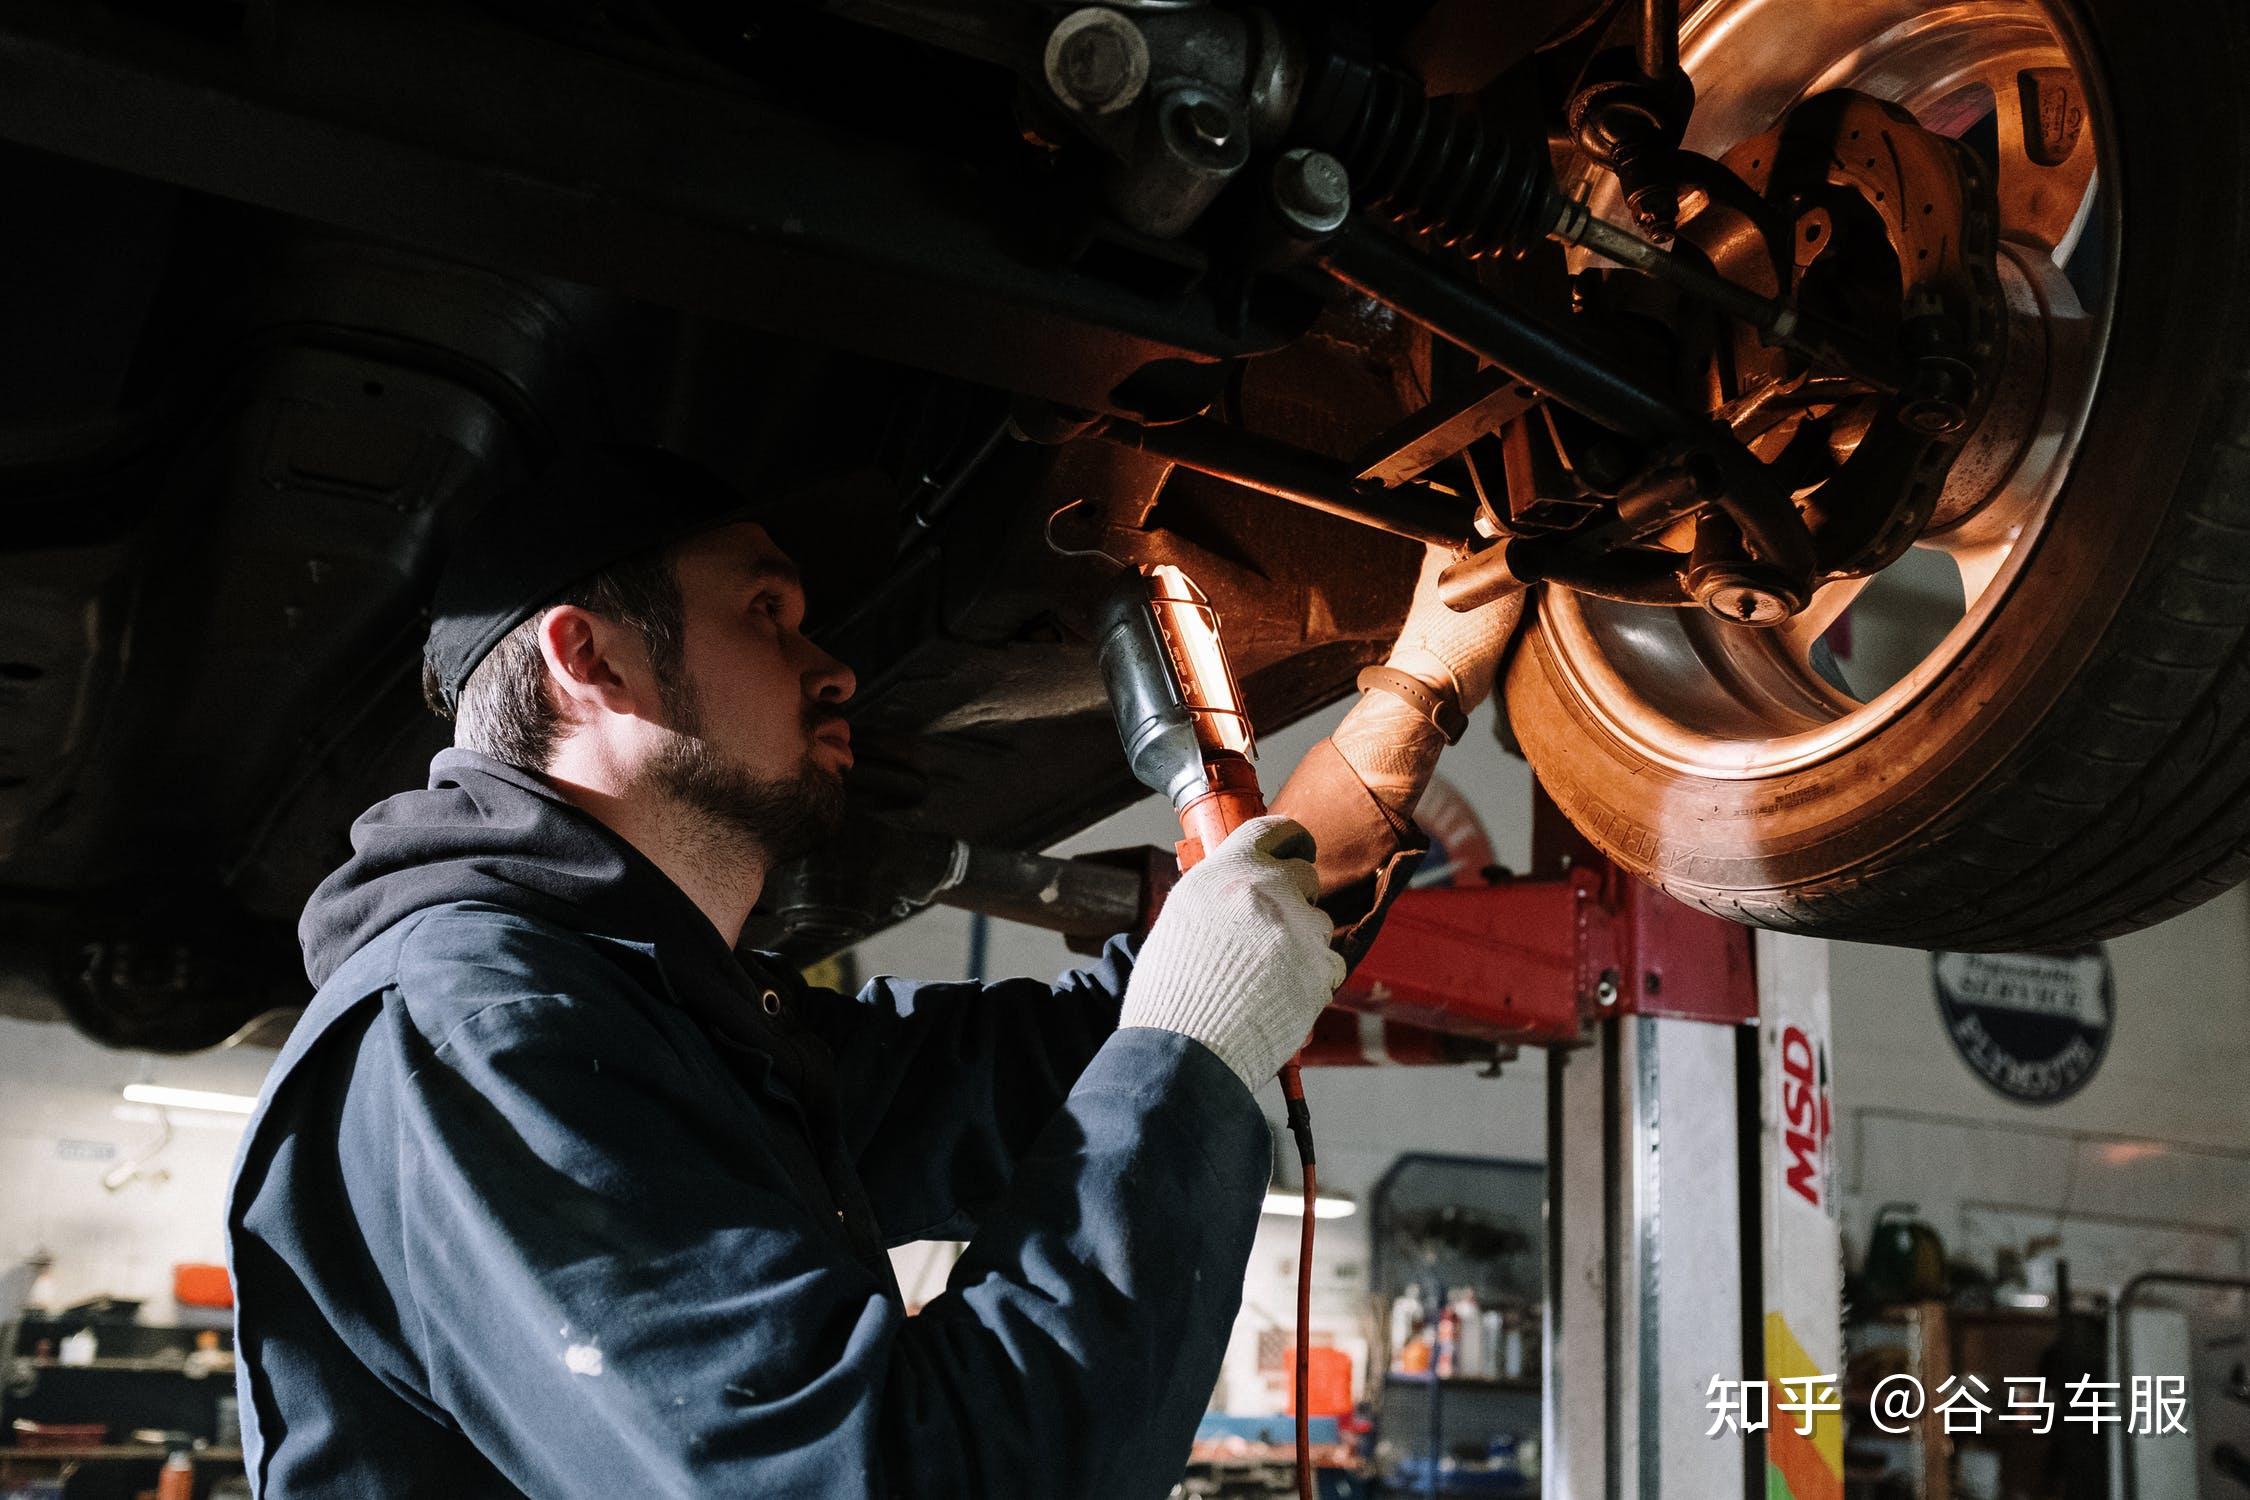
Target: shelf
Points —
{"points": [[1898, 1316], [1523, 1384], [152, 1365], [1279, 1458], [115, 1453]]}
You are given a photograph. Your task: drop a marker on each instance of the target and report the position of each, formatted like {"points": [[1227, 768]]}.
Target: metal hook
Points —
{"points": [[1062, 551]]}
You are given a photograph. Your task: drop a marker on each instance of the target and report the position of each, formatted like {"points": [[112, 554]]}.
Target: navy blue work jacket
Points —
{"points": [[551, 1194]]}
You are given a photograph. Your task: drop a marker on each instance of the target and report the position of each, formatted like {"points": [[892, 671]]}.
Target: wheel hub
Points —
{"points": [[1857, 214]]}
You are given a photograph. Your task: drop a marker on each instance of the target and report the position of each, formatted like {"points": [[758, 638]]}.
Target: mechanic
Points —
{"points": [[554, 1191]]}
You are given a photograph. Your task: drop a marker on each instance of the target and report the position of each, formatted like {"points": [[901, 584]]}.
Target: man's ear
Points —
{"points": [[597, 666]]}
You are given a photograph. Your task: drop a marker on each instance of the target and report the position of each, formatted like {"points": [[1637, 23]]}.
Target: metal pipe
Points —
{"points": [[1659, 51], [1075, 897], [1291, 473], [925, 514], [1556, 361], [1480, 578], [1634, 576]]}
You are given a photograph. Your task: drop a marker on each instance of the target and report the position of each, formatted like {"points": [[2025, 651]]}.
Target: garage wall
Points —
{"points": [[2178, 1058], [64, 1125], [2148, 1164]]}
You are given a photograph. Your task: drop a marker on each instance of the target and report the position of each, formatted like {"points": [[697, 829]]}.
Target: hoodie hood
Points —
{"points": [[485, 831]]}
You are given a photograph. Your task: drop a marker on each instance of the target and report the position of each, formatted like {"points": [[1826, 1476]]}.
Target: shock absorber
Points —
{"points": [[1476, 181], [1481, 184]]}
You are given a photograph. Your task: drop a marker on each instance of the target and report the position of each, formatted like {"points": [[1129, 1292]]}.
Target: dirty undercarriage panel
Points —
{"points": [[231, 459]]}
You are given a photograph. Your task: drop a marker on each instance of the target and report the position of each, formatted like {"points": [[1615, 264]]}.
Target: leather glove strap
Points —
{"points": [[1442, 709]]}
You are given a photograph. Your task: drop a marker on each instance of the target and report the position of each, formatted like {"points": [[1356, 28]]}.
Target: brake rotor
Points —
{"points": [[1851, 209]]}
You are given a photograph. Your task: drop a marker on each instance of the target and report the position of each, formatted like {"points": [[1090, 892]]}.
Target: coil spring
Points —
{"points": [[1434, 165]]}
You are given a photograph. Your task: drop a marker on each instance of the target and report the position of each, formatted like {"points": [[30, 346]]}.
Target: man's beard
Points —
{"points": [[780, 817]]}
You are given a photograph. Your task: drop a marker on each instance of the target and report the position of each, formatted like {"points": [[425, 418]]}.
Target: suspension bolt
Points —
{"points": [[1937, 397], [1746, 604], [1741, 592], [1096, 60], [1312, 190]]}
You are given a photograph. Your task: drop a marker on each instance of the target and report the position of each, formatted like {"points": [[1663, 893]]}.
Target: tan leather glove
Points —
{"points": [[1392, 745]]}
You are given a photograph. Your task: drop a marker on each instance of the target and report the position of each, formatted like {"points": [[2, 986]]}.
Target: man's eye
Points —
{"points": [[768, 604]]}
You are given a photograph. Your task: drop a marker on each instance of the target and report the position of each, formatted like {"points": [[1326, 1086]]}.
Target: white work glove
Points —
{"points": [[1239, 957], [1389, 743]]}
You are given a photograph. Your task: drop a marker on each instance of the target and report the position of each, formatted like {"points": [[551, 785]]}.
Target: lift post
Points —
{"points": [[1692, 1248]]}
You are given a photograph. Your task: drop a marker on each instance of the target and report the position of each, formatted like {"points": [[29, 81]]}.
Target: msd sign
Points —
{"points": [[1804, 1115], [1804, 1324]]}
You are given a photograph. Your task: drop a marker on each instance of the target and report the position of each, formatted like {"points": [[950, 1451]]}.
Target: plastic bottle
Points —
{"points": [[177, 1481], [1406, 1321], [1494, 1329], [1512, 1349], [1468, 1356], [1448, 1343]]}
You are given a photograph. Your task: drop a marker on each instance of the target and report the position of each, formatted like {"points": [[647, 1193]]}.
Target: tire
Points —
{"points": [[2079, 768]]}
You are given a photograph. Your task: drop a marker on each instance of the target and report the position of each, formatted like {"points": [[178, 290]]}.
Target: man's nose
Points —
{"points": [[828, 680]]}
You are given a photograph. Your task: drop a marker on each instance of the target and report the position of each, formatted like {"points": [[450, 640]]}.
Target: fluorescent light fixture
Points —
{"points": [[1292, 1205], [225, 1104]]}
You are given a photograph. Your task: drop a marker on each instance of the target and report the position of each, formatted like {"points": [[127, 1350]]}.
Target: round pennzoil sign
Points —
{"points": [[2032, 1025]]}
